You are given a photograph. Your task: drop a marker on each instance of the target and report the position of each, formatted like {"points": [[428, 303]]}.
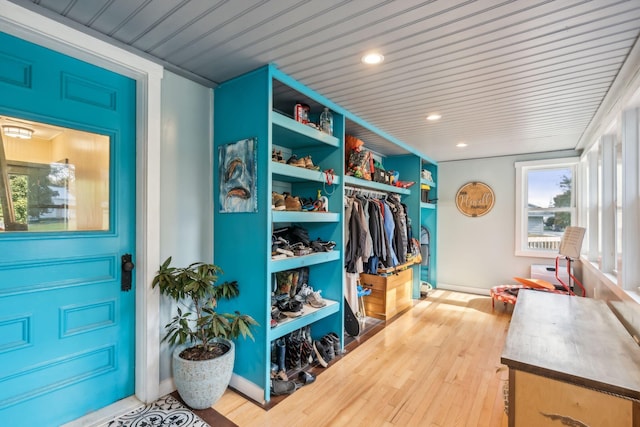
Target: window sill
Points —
{"points": [[611, 282], [537, 254]]}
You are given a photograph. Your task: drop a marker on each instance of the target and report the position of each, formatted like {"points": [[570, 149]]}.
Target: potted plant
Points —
{"points": [[203, 360]]}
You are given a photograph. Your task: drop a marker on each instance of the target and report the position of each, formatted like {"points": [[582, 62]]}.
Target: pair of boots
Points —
{"points": [[281, 354]]}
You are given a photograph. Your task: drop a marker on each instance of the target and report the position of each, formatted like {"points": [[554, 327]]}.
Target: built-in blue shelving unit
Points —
{"points": [[260, 105]]}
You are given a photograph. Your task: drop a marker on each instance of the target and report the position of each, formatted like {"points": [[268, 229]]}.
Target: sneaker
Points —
{"points": [[304, 292], [321, 353], [315, 300], [328, 346], [277, 202], [308, 163], [290, 308], [292, 203], [307, 204], [295, 161]]}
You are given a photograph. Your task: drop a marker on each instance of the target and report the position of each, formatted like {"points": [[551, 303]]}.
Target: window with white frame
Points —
{"points": [[546, 204], [618, 217]]}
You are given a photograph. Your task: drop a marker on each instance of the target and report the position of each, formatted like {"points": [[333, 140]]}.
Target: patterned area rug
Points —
{"points": [[165, 412]]}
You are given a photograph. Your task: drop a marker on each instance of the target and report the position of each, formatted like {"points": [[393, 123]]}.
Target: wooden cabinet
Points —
{"points": [[571, 362], [389, 295]]}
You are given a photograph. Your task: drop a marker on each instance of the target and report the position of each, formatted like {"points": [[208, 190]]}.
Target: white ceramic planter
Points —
{"points": [[201, 383]]}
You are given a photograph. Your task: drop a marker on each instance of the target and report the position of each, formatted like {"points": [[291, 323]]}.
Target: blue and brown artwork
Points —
{"points": [[237, 176]]}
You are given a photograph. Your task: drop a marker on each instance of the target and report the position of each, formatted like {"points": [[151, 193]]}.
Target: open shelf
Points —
{"points": [[297, 216], [288, 173], [290, 133], [311, 315], [302, 261], [372, 185], [427, 182]]}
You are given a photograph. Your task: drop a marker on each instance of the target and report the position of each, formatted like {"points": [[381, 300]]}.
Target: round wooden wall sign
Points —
{"points": [[475, 199]]}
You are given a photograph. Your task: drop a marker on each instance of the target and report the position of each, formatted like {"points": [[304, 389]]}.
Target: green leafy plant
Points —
{"points": [[197, 283]]}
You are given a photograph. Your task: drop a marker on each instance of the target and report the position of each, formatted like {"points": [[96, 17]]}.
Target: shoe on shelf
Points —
{"points": [[328, 346], [306, 352], [315, 300], [306, 378], [274, 155], [290, 308], [308, 163], [292, 203], [336, 342], [307, 204], [304, 292], [321, 353], [322, 246], [277, 202], [295, 161], [282, 376], [280, 387]]}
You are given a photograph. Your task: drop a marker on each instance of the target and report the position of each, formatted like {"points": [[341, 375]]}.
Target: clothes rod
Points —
{"points": [[365, 191]]}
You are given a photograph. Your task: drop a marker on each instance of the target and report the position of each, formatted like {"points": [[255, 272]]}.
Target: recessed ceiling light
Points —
{"points": [[461, 144], [433, 117], [372, 58]]}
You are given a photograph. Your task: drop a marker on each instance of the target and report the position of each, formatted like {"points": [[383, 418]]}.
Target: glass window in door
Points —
{"points": [[52, 178]]}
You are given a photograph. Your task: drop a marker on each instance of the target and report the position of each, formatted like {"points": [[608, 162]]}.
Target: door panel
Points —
{"points": [[66, 328]]}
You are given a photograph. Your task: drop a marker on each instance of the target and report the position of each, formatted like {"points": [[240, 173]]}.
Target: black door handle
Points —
{"points": [[127, 268]]}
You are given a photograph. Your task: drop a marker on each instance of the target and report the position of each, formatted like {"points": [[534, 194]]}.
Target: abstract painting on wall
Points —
{"points": [[237, 176]]}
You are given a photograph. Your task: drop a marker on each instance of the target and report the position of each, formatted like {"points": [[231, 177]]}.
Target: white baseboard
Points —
{"points": [[247, 388], [244, 386], [465, 289], [166, 387]]}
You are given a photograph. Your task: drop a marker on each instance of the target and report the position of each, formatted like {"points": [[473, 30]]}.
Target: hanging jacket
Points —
{"points": [[389, 228]]}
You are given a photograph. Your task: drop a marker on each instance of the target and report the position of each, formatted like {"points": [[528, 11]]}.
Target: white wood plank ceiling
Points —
{"points": [[508, 77]]}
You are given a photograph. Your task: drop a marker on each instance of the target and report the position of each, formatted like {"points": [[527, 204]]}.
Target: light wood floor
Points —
{"points": [[436, 365]]}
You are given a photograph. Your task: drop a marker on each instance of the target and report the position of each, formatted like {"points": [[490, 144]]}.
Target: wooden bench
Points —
{"points": [[570, 361]]}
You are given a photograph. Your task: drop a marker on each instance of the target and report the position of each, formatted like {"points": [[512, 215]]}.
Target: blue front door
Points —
{"points": [[67, 187]]}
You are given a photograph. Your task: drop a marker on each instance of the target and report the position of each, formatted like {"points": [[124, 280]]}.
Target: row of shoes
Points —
{"points": [[295, 241], [281, 387], [291, 352], [284, 307], [301, 162], [296, 351], [287, 202], [327, 348], [282, 249]]}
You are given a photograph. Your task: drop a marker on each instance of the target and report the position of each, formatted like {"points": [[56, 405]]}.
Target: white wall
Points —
{"points": [[186, 194], [475, 254]]}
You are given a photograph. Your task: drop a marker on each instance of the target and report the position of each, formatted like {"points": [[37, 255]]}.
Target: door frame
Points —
{"points": [[44, 31]]}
